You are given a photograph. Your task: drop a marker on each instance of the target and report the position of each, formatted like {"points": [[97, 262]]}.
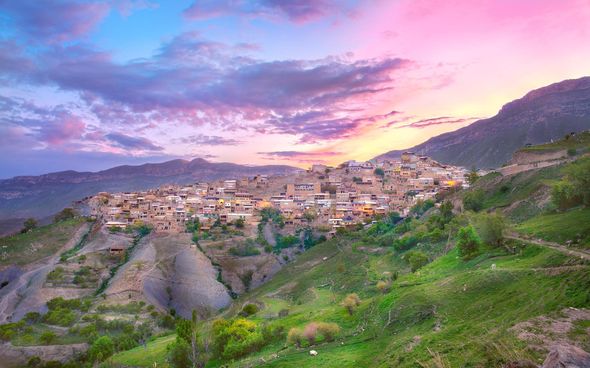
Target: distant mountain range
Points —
{"points": [[43, 195], [541, 115]]}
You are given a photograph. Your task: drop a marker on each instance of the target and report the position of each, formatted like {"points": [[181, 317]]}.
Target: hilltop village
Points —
{"points": [[323, 197]]}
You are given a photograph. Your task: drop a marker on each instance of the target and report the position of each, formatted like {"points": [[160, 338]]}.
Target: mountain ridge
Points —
{"points": [[539, 116]]}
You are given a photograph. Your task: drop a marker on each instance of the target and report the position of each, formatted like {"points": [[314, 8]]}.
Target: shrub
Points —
{"points": [[405, 243], [249, 309], [47, 337], [29, 224], [490, 228], [467, 242], [60, 317], [416, 259], [65, 214], [178, 354], [329, 331], [351, 302], [383, 286], [563, 195], [295, 337], [236, 338], [310, 332], [572, 152], [473, 200], [283, 313], [33, 317], [101, 349]]}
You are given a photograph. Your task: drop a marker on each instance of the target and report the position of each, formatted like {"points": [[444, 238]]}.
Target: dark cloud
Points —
{"points": [[298, 11], [54, 20], [132, 143], [436, 121]]}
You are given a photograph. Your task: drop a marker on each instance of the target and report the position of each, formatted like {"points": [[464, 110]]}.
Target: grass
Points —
{"points": [[153, 352], [579, 141], [561, 227], [38, 243]]}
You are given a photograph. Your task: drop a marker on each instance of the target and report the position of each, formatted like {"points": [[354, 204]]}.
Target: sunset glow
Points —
{"points": [[89, 85]]}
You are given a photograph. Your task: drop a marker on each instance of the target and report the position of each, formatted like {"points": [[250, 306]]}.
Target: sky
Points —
{"points": [[88, 85]]}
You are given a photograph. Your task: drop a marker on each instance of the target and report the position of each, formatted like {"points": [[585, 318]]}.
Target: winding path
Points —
{"points": [[556, 246]]}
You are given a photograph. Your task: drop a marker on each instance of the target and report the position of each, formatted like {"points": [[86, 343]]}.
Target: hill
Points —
{"points": [[540, 116], [40, 196]]}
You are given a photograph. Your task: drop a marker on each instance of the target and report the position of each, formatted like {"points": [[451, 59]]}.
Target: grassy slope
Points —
{"points": [[560, 227], [39, 243], [154, 352], [580, 141], [460, 310]]}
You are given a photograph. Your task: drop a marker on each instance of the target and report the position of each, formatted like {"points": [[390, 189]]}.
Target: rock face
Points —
{"points": [[43, 195], [567, 356], [541, 115], [14, 356]]}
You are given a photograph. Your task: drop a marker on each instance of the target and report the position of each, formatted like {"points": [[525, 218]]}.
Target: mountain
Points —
{"points": [[40, 196], [540, 116]]}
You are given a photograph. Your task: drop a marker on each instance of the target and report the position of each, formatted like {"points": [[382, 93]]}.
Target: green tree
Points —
{"points": [[101, 349], [379, 172], [578, 174], [467, 242], [473, 200], [29, 224], [65, 214], [490, 228], [191, 341], [178, 354], [563, 195], [446, 211], [417, 259]]}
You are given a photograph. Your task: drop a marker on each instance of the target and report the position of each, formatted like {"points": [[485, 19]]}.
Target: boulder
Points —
{"points": [[567, 356]]}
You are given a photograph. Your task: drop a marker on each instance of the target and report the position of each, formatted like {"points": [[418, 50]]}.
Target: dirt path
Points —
{"points": [[558, 247], [13, 300]]}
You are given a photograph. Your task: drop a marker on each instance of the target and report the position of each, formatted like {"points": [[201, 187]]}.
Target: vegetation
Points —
{"points": [[468, 242]]}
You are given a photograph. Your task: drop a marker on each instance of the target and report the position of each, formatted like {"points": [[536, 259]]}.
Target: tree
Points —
{"points": [[65, 214], [190, 340], [467, 242], [310, 332], [383, 286], [472, 176], [563, 195], [309, 216], [351, 302], [446, 211], [473, 200], [239, 223], [490, 228], [178, 354], [29, 224], [101, 349], [379, 172], [295, 337], [416, 259], [578, 175], [328, 330]]}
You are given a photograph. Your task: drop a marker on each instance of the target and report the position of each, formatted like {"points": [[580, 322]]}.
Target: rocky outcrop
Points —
{"points": [[14, 356], [567, 356]]}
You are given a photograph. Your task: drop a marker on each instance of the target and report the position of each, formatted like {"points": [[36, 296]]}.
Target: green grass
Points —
{"points": [[580, 141], [38, 243], [154, 352], [560, 227]]}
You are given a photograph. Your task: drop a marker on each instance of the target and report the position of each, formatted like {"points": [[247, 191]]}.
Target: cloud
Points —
{"points": [[210, 140], [194, 81], [132, 143], [296, 154], [54, 20], [63, 128], [437, 121], [297, 11]]}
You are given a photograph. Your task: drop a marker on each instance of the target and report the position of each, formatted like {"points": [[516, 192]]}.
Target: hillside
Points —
{"points": [[40, 196], [540, 116]]}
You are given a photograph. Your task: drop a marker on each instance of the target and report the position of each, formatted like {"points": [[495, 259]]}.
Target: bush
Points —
{"points": [[467, 242], [416, 259], [473, 200], [572, 152], [578, 175], [295, 337], [351, 302], [405, 243], [249, 309], [178, 354], [310, 332], [490, 228], [101, 349], [383, 286], [329, 331], [563, 195], [65, 214], [47, 337], [60, 317], [236, 338]]}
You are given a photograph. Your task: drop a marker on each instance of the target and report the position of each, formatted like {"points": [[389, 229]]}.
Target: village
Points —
{"points": [[323, 196]]}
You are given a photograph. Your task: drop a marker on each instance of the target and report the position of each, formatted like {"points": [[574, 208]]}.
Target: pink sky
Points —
{"points": [[262, 82]]}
